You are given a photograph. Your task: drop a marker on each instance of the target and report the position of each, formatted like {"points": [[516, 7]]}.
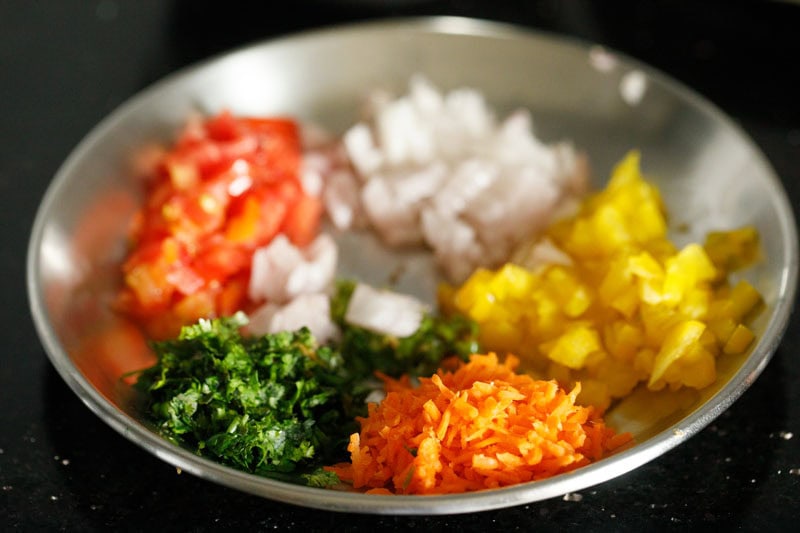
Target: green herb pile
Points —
{"points": [[276, 405]]}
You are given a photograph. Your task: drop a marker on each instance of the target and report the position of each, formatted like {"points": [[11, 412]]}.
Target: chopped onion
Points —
{"points": [[385, 312], [309, 310], [540, 254], [439, 169], [281, 271], [295, 284]]}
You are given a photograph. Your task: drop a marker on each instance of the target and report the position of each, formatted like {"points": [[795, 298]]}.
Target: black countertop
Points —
{"points": [[64, 65]]}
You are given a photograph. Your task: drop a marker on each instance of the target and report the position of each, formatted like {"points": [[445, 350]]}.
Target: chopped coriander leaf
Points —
{"points": [[321, 478], [277, 405]]}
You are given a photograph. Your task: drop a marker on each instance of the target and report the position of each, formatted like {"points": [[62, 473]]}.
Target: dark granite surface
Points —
{"points": [[64, 65]]}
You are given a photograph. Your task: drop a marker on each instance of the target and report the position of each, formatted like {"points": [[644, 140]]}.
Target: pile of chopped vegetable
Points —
{"points": [[227, 186], [438, 168], [614, 303], [481, 426], [275, 405]]}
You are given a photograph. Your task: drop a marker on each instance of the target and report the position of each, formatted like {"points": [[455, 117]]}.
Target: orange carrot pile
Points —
{"points": [[481, 426]]}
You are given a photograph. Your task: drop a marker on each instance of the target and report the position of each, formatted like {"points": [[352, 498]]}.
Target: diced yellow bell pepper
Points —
{"points": [[645, 266], [609, 228], [622, 339], [519, 281], [677, 343], [739, 340], [734, 249], [650, 223], [503, 336], [560, 373], [744, 299], [696, 368], [631, 308], [625, 173], [685, 270], [571, 296], [644, 361], [618, 291], [695, 303], [658, 320], [722, 328], [573, 347], [595, 393]]}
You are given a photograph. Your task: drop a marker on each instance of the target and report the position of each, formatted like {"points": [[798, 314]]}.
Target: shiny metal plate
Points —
{"points": [[711, 175]]}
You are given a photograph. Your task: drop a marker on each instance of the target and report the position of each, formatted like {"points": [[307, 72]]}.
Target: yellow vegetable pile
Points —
{"points": [[621, 305]]}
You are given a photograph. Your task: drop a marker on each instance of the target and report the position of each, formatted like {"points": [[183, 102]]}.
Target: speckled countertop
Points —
{"points": [[65, 65]]}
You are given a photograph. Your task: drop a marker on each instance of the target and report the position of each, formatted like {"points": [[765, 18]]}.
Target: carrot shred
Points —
{"points": [[478, 426]]}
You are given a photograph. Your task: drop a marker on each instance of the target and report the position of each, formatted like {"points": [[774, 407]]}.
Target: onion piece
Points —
{"points": [[384, 312], [281, 271], [309, 310], [536, 255]]}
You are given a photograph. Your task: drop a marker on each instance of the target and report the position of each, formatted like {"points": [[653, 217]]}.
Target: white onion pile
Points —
{"points": [[439, 169]]}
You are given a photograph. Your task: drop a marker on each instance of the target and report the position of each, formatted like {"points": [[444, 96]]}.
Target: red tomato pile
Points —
{"points": [[228, 186]]}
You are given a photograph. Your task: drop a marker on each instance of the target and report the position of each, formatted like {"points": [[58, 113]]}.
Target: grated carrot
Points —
{"points": [[477, 427]]}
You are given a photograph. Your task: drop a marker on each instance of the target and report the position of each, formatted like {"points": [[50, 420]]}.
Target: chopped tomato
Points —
{"points": [[223, 127], [256, 217], [227, 187], [302, 221], [218, 259], [232, 296]]}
